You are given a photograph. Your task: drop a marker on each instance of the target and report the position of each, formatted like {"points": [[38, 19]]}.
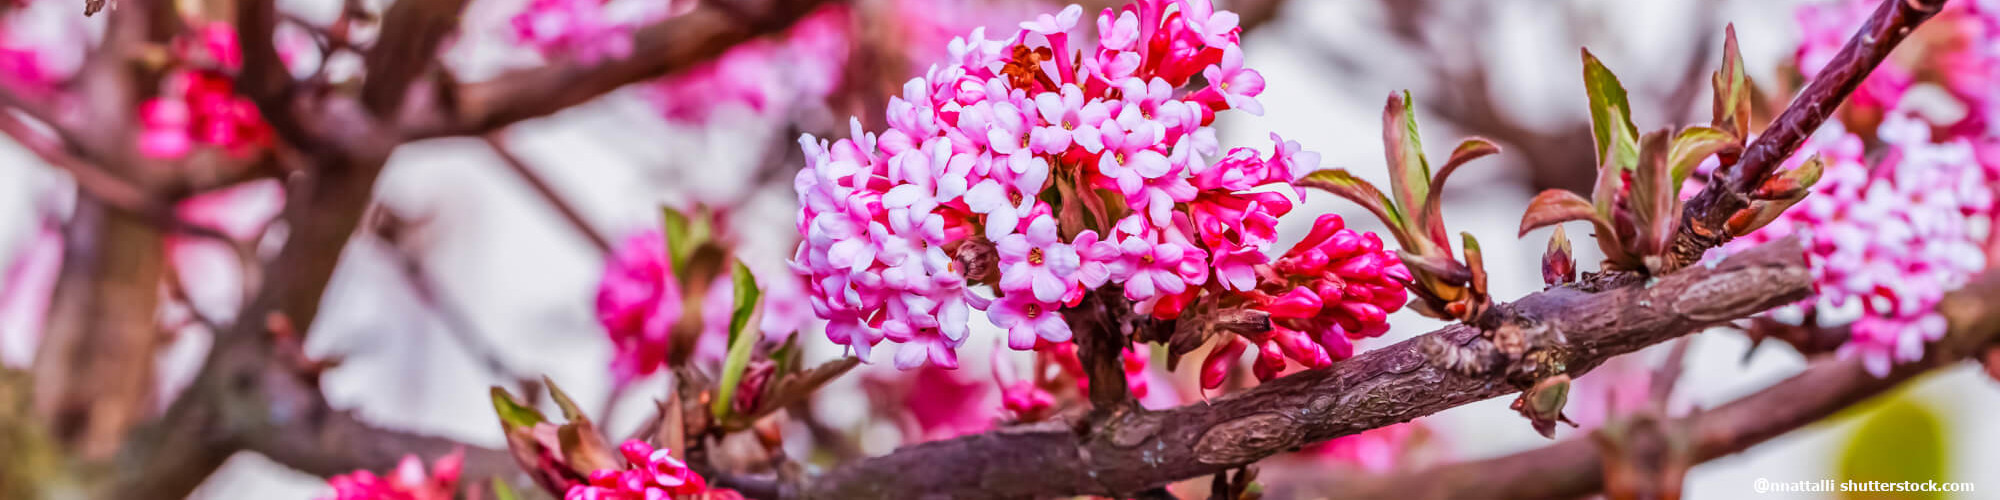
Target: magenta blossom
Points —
{"points": [[407, 482], [1028, 171], [638, 302], [1888, 241], [649, 474]]}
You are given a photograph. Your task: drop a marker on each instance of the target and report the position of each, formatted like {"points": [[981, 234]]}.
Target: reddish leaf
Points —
{"points": [[1409, 172], [1732, 91], [1654, 201], [1557, 206], [1775, 196], [1468, 150]]}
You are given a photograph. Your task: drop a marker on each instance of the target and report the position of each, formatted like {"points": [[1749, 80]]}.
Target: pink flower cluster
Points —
{"points": [[1066, 163], [198, 104], [1333, 287], [1959, 51], [586, 30], [650, 474], [802, 65], [1890, 240], [1375, 451], [407, 482], [638, 302]]}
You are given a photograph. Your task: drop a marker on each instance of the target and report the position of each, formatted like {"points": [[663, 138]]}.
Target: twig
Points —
{"points": [[659, 49], [548, 193], [1891, 22]]}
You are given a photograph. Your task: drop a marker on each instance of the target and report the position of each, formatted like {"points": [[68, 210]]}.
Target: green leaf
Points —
{"points": [[1344, 184], [512, 413], [747, 296], [1476, 262], [740, 342], [1692, 146], [1468, 150], [570, 411], [1732, 91], [1610, 115], [1556, 206], [684, 235], [1409, 173]]}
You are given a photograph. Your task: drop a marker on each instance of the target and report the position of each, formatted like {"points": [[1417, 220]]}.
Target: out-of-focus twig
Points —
{"points": [[548, 193]]}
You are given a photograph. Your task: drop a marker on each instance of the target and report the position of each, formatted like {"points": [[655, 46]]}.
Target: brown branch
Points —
{"points": [[1573, 468], [1143, 450], [662, 48], [412, 32], [548, 194]]}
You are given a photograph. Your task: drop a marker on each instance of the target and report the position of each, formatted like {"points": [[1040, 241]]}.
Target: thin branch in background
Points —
{"points": [[548, 193], [458, 325], [1893, 21], [668, 46], [1669, 373]]}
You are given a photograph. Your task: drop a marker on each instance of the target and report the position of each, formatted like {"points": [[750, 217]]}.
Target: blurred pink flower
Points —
{"points": [[1890, 239], [638, 302], [580, 29], [407, 482], [1374, 451], [649, 474]]}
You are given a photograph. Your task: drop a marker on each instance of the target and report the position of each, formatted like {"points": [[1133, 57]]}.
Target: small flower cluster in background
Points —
{"points": [[407, 482], [1041, 166], [1901, 214], [649, 474], [639, 302], [1890, 237], [198, 104]]}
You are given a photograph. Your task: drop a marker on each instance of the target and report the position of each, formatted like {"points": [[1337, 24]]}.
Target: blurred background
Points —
{"points": [[480, 281]]}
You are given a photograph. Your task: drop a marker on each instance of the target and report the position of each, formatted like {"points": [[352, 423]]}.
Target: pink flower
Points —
{"points": [[407, 482], [1038, 262], [1889, 240], [649, 474], [1008, 197], [1027, 319], [1375, 451], [1027, 401], [1211, 27], [1230, 85], [1149, 265], [575, 28], [200, 107], [1034, 146], [1070, 121], [1129, 158], [638, 302]]}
